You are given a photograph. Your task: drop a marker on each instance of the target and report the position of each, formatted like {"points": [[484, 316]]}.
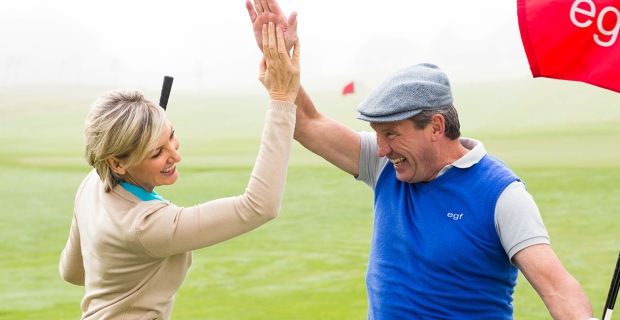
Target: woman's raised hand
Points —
{"points": [[279, 72]]}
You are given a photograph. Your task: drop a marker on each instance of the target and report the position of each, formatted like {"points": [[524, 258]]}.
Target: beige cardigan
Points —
{"points": [[132, 256]]}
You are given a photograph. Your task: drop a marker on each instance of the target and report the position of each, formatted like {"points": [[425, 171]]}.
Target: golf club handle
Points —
{"points": [[165, 91], [607, 314]]}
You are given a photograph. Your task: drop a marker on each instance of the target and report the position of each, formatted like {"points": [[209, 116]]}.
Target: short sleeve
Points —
{"points": [[518, 221], [370, 166]]}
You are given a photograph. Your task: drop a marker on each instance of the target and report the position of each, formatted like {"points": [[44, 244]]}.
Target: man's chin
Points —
{"points": [[403, 178]]}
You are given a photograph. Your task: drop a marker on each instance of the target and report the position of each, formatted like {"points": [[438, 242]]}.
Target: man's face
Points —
{"points": [[409, 149], [159, 168]]}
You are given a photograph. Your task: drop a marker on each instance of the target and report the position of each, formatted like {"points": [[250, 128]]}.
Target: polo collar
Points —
{"points": [[475, 154], [141, 193]]}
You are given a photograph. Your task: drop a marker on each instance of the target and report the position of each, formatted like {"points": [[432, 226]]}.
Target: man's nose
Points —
{"points": [[384, 148]]}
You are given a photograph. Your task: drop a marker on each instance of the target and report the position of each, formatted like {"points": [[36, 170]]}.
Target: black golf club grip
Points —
{"points": [[165, 91]]}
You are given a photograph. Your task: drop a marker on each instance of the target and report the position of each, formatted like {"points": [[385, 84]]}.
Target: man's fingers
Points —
{"points": [[259, 6], [264, 5], [292, 22], [251, 12], [273, 6]]}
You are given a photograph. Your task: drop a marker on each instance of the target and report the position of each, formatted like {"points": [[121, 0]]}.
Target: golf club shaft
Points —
{"points": [[613, 292]]}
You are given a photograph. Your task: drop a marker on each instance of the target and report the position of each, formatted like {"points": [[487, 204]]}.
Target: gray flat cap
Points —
{"points": [[406, 93]]}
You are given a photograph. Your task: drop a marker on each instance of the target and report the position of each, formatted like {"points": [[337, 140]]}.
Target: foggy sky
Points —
{"points": [[208, 45]]}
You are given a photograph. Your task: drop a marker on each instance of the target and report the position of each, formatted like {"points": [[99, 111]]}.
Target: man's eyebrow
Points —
{"points": [[384, 129]]}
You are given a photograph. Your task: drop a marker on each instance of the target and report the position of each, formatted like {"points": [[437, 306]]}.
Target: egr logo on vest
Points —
{"points": [[455, 216]]}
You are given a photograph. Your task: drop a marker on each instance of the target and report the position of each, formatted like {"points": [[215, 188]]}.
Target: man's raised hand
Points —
{"points": [[269, 11]]}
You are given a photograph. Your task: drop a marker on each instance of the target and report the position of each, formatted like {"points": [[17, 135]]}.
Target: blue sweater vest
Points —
{"points": [[435, 252]]}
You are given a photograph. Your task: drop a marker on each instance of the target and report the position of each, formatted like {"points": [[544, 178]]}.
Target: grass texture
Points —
{"points": [[561, 138]]}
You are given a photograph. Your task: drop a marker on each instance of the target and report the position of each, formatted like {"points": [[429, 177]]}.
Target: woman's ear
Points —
{"points": [[115, 165]]}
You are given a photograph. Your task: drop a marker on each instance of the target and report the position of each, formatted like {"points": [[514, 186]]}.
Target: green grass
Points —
{"points": [[560, 138]]}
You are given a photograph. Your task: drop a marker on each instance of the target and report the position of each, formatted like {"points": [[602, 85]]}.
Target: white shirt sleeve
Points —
{"points": [[518, 221], [370, 166]]}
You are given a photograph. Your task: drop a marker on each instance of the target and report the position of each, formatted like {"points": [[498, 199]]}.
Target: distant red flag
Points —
{"points": [[572, 40], [348, 89]]}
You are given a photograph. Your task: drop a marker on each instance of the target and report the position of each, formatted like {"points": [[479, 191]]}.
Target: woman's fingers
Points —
{"points": [[279, 72], [273, 44], [282, 52], [274, 47], [296, 54], [270, 46], [268, 43], [265, 40], [262, 68]]}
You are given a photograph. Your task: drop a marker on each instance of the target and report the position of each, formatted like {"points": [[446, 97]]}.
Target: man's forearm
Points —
{"points": [[569, 302], [326, 137]]}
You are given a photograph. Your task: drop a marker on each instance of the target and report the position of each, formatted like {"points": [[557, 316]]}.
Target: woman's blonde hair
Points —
{"points": [[124, 125]]}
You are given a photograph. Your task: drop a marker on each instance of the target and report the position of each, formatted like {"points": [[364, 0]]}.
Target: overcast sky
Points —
{"points": [[209, 45]]}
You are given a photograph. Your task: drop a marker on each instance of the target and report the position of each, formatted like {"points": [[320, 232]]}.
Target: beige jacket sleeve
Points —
{"points": [[167, 229], [71, 265]]}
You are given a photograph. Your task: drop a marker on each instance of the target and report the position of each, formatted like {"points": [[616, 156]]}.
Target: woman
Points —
{"points": [[131, 248]]}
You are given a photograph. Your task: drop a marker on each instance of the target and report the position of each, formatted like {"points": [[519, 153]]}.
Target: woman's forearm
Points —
{"points": [[170, 230]]}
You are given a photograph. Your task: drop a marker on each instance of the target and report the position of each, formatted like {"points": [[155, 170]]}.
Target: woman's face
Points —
{"points": [[159, 168]]}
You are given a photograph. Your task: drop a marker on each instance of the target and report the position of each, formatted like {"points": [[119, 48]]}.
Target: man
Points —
{"points": [[452, 224]]}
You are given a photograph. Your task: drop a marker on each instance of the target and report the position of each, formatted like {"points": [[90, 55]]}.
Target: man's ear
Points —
{"points": [[115, 165], [438, 126]]}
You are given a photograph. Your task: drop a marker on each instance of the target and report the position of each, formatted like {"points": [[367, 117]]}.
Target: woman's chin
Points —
{"points": [[170, 177]]}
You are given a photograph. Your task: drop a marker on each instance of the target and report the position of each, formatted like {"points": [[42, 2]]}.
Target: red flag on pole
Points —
{"points": [[348, 89], [572, 40]]}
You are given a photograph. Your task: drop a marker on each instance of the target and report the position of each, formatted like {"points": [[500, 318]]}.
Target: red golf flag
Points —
{"points": [[572, 40], [348, 89]]}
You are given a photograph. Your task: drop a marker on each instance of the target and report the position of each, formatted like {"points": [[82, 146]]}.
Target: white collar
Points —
{"points": [[475, 154]]}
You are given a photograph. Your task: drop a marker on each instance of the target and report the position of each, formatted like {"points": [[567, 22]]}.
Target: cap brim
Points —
{"points": [[390, 117]]}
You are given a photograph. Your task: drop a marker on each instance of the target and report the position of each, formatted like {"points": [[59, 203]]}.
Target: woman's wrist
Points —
{"points": [[283, 97]]}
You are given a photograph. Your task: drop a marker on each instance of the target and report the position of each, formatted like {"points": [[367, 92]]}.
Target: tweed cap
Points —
{"points": [[406, 93]]}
